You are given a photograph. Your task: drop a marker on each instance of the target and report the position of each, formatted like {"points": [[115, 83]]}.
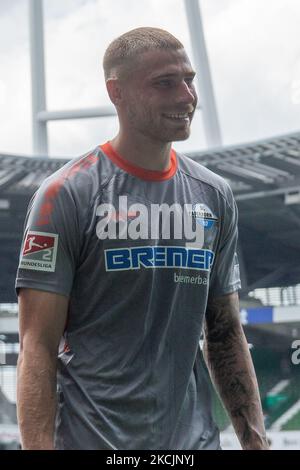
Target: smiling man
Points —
{"points": [[115, 293]]}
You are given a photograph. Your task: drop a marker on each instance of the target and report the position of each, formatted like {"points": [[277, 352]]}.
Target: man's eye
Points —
{"points": [[189, 81], [164, 83]]}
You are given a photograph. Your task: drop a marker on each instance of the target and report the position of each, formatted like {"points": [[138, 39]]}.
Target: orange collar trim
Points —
{"points": [[139, 172]]}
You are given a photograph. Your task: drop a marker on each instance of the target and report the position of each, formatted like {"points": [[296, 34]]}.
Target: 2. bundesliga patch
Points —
{"points": [[39, 252]]}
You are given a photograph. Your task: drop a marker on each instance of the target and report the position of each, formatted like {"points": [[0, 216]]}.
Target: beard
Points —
{"points": [[157, 127]]}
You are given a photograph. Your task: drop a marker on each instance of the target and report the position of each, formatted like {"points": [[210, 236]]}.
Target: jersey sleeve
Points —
{"points": [[51, 241], [225, 275]]}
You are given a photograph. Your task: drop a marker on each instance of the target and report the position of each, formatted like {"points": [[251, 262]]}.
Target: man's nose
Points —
{"points": [[187, 94]]}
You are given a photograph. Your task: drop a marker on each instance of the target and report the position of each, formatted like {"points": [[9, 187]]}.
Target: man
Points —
{"points": [[138, 254]]}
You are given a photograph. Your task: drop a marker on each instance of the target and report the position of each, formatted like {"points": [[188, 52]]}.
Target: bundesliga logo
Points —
{"points": [[39, 252]]}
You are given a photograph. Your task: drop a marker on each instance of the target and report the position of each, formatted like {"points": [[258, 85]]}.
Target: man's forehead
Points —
{"points": [[159, 62]]}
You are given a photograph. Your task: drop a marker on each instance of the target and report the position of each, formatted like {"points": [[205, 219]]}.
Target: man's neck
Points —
{"points": [[148, 154]]}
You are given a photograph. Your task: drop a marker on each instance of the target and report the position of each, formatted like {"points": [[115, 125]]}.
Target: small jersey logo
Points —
{"points": [[203, 215], [39, 252]]}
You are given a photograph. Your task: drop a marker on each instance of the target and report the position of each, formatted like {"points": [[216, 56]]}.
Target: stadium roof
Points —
{"points": [[264, 176]]}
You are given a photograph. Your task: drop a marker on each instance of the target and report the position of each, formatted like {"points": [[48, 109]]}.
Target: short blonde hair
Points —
{"points": [[131, 44]]}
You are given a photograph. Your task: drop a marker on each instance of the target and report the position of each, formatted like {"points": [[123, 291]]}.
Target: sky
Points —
{"points": [[253, 48]]}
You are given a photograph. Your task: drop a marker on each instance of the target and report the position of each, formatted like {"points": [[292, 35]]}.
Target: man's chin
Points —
{"points": [[169, 137], [181, 136]]}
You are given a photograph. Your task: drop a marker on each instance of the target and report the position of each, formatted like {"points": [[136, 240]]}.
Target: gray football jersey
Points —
{"points": [[118, 241]]}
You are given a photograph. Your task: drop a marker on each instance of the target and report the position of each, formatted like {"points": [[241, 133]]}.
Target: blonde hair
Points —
{"points": [[130, 45]]}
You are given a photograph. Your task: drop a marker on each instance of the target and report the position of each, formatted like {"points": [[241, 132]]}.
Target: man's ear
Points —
{"points": [[114, 90]]}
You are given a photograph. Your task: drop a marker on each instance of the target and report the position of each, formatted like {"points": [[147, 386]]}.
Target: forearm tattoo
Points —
{"points": [[230, 365]]}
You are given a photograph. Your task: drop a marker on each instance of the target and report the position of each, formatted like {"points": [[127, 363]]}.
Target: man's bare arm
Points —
{"points": [[230, 365], [42, 319]]}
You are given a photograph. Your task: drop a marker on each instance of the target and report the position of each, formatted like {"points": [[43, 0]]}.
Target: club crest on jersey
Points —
{"points": [[39, 251], [203, 215]]}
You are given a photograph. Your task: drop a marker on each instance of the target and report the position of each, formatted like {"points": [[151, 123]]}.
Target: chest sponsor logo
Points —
{"points": [[39, 252], [124, 259]]}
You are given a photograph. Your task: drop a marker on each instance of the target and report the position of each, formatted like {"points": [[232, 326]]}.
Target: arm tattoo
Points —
{"points": [[230, 365]]}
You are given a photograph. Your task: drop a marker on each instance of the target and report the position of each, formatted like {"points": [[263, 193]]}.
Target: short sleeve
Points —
{"points": [[51, 240], [225, 275]]}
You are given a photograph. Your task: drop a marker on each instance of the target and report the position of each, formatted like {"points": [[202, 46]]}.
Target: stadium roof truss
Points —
{"points": [[264, 176]]}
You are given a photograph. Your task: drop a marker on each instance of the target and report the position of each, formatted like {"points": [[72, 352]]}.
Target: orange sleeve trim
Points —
{"points": [[139, 172]]}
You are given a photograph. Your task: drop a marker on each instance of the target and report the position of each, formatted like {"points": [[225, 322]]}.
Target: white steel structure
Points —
{"points": [[40, 114]]}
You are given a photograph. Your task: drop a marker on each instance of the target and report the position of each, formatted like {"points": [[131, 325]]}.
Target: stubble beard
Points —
{"points": [[156, 130], [159, 131]]}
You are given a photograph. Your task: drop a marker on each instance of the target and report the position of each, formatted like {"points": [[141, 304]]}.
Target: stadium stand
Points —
{"points": [[292, 424], [279, 396]]}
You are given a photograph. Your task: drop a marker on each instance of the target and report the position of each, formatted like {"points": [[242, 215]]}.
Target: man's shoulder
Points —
{"points": [[199, 172], [82, 175], [74, 169]]}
